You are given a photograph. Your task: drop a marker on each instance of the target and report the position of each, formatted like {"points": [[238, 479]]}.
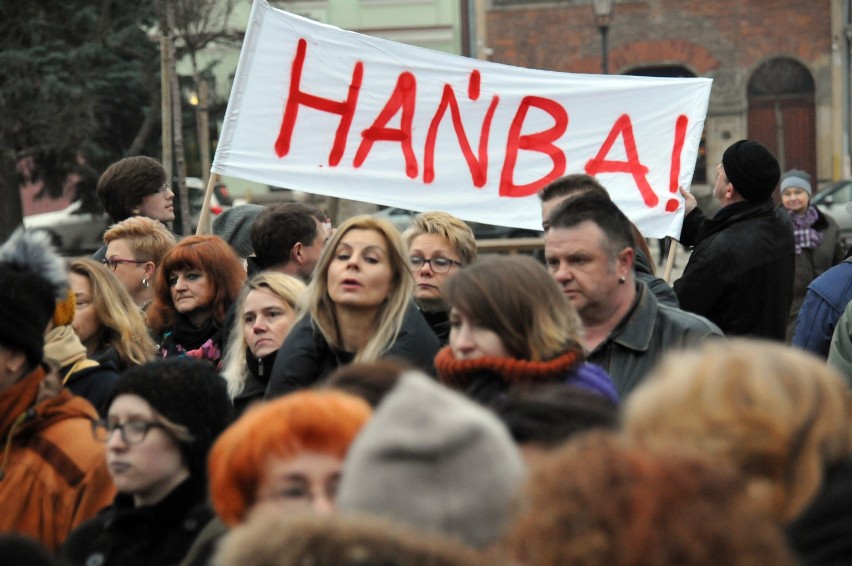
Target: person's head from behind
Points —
{"points": [[564, 188], [778, 414], [595, 501], [748, 172], [508, 306], [541, 419], [32, 279], [272, 539], [285, 454], [199, 278], [105, 314], [439, 244], [369, 380], [136, 186], [135, 249], [163, 417], [289, 237], [365, 270], [589, 252]]}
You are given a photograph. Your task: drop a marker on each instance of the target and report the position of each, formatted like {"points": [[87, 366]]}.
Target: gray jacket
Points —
{"points": [[647, 332]]}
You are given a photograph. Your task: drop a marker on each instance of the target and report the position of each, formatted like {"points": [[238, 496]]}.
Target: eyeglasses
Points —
{"points": [[112, 262], [132, 432], [437, 264], [165, 188]]}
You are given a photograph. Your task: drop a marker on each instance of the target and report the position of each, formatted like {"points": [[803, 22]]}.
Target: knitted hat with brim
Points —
{"points": [[187, 392], [32, 279], [751, 169], [434, 460], [795, 178]]}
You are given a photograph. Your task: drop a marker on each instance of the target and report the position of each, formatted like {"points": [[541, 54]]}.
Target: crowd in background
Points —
{"points": [[284, 392]]}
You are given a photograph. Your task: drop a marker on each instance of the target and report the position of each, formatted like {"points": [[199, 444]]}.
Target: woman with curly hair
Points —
{"points": [[779, 415], [195, 285], [105, 320], [511, 327], [358, 309]]}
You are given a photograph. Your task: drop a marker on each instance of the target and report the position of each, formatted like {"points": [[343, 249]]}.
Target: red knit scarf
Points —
{"points": [[459, 373]]}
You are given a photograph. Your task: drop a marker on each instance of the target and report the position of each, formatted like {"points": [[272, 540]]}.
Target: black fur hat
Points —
{"points": [[751, 169], [32, 279]]}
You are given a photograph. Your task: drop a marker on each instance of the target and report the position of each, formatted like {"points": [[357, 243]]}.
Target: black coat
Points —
{"points": [[124, 535], [305, 357], [740, 273]]}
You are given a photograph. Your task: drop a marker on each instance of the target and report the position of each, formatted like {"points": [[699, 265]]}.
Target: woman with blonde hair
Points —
{"points": [[781, 416], [358, 308], [134, 249], [512, 328], [439, 244], [105, 318], [265, 312]]}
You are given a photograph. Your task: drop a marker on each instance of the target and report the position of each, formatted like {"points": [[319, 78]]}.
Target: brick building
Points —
{"points": [[779, 67]]}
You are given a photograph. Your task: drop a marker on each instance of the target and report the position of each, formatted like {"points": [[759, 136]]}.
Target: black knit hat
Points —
{"points": [[187, 392], [751, 169], [32, 279]]}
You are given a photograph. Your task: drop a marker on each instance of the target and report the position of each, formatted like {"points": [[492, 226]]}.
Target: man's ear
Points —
{"points": [[624, 261], [296, 253]]}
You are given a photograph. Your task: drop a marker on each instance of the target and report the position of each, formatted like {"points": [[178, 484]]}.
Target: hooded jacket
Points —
{"points": [[54, 475]]}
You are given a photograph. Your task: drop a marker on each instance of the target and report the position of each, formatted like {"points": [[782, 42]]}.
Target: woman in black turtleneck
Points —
{"points": [[266, 309]]}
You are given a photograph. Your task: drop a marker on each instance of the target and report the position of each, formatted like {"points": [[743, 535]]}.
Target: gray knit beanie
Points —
{"points": [[434, 460], [234, 226], [796, 178]]}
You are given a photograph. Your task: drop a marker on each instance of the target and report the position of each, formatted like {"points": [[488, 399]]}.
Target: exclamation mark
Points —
{"points": [[680, 137]]}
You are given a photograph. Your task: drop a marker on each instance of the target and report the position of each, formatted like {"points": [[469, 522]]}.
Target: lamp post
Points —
{"points": [[603, 16]]}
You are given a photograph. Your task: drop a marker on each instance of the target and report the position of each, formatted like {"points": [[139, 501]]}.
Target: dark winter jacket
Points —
{"points": [[825, 301], [124, 535], [93, 382], [740, 273], [305, 357]]}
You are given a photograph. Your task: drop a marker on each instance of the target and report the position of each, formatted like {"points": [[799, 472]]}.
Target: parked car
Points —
{"points": [[77, 233], [402, 218], [835, 200]]}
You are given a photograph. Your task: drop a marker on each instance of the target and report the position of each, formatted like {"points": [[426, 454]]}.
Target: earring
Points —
{"points": [[622, 279], [145, 282]]}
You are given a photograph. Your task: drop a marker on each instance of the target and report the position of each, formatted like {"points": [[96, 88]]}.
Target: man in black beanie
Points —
{"points": [[740, 273]]}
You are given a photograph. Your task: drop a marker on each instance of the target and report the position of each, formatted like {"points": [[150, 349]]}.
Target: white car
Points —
{"points": [[76, 233]]}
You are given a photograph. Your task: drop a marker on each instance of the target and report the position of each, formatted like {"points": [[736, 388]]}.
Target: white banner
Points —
{"points": [[327, 111]]}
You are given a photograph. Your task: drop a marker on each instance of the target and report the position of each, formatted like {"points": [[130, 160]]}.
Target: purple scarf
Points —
{"points": [[803, 231]]}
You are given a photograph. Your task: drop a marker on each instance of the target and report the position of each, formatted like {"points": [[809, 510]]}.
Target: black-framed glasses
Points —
{"points": [[113, 262], [132, 432], [437, 264]]}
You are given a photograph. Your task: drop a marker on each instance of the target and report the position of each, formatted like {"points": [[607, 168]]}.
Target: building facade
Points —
{"points": [[779, 67]]}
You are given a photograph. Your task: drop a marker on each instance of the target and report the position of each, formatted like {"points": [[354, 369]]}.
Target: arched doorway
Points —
{"points": [[781, 113], [677, 71]]}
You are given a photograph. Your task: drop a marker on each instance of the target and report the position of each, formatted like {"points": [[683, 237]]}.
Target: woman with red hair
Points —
{"points": [[194, 287], [285, 454]]}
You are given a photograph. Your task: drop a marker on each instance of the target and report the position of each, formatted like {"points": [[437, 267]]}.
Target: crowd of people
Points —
{"points": [[282, 392]]}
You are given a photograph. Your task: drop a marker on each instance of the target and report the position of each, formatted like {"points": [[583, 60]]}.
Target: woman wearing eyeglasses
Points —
{"points": [[358, 309], [197, 282], [163, 417], [134, 249], [439, 245]]}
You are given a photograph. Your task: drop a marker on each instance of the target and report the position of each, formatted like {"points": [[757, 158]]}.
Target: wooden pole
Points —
{"points": [[670, 260], [204, 226], [203, 130], [166, 103]]}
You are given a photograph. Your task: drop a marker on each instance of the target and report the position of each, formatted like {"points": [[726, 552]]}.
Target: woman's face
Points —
{"points": [[795, 200], [469, 340], [428, 279], [191, 291], [267, 321], [86, 323], [360, 273], [150, 469], [307, 482], [130, 274]]}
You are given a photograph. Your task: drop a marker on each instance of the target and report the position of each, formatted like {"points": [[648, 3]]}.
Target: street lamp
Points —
{"points": [[603, 15]]}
